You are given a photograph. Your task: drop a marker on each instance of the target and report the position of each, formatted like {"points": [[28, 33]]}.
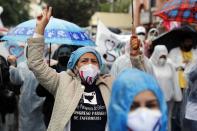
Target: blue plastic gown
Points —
{"points": [[127, 85], [30, 105]]}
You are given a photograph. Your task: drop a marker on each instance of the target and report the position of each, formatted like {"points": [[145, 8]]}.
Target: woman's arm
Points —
{"points": [[47, 76], [15, 76]]}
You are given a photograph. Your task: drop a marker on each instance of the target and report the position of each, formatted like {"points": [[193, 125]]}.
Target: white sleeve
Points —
{"points": [[176, 88], [15, 76], [36, 35]]}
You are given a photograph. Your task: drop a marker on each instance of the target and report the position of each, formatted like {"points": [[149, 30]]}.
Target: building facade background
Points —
{"points": [[143, 12]]}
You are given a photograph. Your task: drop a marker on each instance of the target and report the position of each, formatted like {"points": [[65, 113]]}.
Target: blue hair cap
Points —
{"points": [[129, 84], [79, 52]]}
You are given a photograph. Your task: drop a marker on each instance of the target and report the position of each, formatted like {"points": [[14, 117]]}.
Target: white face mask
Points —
{"points": [[162, 61], [141, 38], [89, 73], [144, 119]]}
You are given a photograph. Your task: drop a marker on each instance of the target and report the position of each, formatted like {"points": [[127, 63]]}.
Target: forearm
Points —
{"points": [[47, 77], [139, 62]]}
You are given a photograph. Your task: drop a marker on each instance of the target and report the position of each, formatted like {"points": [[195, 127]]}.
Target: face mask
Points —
{"points": [[162, 61], [141, 38], [144, 119], [89, 73]]}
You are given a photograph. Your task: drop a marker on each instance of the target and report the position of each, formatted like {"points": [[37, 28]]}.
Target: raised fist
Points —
{"points": [[134, 46]]}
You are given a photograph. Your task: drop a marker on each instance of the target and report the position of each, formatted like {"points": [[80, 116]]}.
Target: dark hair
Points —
{"points": [[186, 36]]}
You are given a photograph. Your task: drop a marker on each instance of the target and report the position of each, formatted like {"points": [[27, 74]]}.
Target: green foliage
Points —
{"points": [[15, 11], [121, 6], [104, 7], [76, 11], [80, 11]]}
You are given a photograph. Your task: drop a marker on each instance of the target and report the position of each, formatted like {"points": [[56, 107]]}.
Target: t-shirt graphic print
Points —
{"points": [[89, 98], [90, 114]]}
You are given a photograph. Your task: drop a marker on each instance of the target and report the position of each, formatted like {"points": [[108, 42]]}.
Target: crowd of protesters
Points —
{"points": [[142, 91]]}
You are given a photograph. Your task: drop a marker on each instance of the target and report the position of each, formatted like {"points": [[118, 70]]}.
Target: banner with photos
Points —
{"points": [[109, 44]]}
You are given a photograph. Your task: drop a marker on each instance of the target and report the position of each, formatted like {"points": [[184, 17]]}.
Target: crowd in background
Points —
{"points": [[78, 79]]}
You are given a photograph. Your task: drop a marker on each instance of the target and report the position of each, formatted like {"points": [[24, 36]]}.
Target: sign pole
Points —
{"points": [[132, 21]]}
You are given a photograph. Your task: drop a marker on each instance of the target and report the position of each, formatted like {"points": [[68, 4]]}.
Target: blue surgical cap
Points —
{"points": [[78, 53], [127, 85]]}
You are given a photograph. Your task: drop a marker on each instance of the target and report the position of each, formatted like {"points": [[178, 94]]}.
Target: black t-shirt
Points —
{"points": [[90, 114]]}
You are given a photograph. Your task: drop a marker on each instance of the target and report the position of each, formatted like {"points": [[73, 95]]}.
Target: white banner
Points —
{"points": [[3, 51], [16, 49], [109, 44]]}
